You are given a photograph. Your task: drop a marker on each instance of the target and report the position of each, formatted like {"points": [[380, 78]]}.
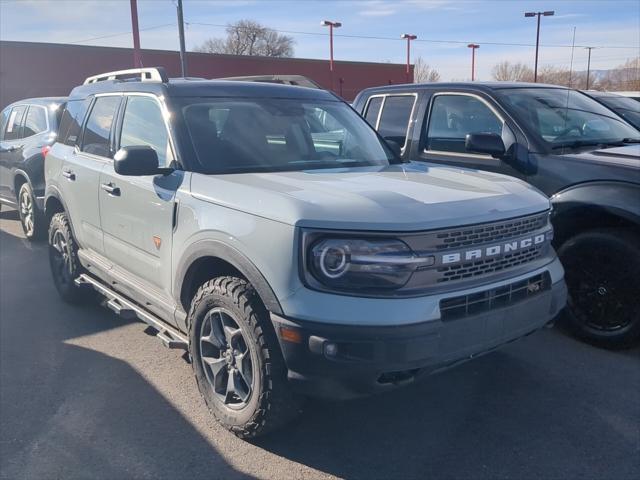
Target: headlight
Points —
{"points": [[353, 264]]}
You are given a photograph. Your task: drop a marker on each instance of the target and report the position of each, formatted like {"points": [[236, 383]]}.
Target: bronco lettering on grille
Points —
{"points": [[493, 250]]}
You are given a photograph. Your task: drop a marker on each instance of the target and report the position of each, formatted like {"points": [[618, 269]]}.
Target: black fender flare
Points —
{"points": [[621, 199], [51, 191], [214, 248]]}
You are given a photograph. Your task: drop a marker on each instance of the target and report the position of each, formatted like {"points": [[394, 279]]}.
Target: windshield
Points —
{"points": [[238, 135], [564, 118]]}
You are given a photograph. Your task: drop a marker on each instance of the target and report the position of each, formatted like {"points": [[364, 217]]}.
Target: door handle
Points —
{"points": [[111, 189], [68, 174]]}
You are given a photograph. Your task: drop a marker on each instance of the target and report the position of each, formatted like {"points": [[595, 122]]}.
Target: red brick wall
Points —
{"points": [[29, 69]]}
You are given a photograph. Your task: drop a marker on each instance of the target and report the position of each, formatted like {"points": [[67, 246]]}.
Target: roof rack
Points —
{"points": [[297, 80], [153, 74]]}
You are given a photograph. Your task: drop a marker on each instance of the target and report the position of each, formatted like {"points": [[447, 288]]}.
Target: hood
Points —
{"points": [[407, 197], [627, 156]]}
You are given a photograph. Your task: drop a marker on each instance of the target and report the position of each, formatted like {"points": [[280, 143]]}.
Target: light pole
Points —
{"points": [[473, 47], [408, 37], [137, 58], [538, 14], [588, 65], [331, 25], [183, 54]]}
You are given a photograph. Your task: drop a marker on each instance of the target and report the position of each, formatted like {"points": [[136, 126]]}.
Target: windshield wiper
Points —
{"points": [[593, 143], [578, 144]]}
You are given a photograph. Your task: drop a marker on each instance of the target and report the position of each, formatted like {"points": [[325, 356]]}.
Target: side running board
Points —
{"points": [[169, 336]]}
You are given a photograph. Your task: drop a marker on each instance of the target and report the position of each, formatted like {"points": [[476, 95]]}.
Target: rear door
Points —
{"points": [[11, 147], [137, 212], [91, 150], [391, 115], [449, 117]]}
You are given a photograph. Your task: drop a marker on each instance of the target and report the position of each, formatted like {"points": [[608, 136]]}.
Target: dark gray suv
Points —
{"points": [[29, 128]]}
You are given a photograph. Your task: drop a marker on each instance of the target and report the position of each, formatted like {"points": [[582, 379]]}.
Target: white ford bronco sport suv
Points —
{"points": [[268, 230]]}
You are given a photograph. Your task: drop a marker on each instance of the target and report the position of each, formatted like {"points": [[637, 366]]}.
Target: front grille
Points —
{"points": [[491, 232], [476, 303], [489, 265]]}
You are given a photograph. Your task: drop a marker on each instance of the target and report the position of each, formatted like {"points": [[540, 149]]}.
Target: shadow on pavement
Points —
{"points": [[500, 416], [71, 412]]}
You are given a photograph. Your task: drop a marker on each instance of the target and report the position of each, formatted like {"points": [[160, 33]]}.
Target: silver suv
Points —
{"points": [[268, 230]]}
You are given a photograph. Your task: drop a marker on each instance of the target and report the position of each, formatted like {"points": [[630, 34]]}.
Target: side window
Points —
{"points": [[71, 122], [394, 120], [36, 121], [96, 132], [3, 121], [13, 129], [143, 124], [373, 108], [452, 117]]}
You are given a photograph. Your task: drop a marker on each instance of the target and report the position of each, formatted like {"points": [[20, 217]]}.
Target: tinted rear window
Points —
{"points": [[36, 121], [394, 120], [98, 129], [71, 121], [371, 115]]}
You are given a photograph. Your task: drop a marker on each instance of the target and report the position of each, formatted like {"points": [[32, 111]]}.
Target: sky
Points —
{"points": [[444, 28]]}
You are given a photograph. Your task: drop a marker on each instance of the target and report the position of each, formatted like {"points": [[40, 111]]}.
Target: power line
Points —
{"points": [[372, 37], [122, 33]]}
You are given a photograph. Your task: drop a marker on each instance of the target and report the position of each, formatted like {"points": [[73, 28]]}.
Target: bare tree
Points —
{"points": [[623, 77], [247, 37], [513, 72], [423, 72]]}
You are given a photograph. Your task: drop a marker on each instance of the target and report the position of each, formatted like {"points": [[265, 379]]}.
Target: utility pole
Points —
{"points": [[588, 65], [538, 14], [408, 37], [137, 57], [183, 54], [473, 47]]}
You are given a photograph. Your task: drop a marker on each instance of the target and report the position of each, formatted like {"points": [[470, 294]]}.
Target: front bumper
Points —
{"points": [[347, 361]]}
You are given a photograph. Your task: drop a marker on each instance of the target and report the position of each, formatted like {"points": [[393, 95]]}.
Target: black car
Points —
{"points": [[627, 107], [29, 128], [559, 140]]}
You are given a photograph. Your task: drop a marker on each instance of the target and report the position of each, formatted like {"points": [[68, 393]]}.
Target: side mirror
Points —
{"points": [[137, 160], [489, 143], [395, 147]]}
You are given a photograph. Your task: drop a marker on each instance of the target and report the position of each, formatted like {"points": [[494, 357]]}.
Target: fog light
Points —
{"points": [[330, 349]]}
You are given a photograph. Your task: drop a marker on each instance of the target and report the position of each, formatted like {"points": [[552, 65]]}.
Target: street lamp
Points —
{"points": [[331, 25], [538, 14], [473, 47], [408, 37]]}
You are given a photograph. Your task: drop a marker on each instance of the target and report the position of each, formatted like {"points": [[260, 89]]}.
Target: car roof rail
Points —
{"points": [[296, 80], [151, 74]]}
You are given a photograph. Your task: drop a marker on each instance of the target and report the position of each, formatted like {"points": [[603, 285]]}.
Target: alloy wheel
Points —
{"points": [[26, 211], [226, 358], [63, 268]]}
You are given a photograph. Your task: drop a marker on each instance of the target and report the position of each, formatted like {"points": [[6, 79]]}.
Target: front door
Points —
{"points": [[450, 117], [137, 212]]}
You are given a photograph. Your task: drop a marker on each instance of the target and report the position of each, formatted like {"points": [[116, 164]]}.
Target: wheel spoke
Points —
{"points": [[243, 362], [230, 333], [235, 387], [215, 364]]}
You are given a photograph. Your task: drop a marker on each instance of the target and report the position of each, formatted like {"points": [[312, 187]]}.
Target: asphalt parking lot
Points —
{"points": [[84, 394]]}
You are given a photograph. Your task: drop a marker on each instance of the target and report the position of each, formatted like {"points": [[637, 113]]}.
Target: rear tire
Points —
{"points": [[63, 259], [602, 268], [31, 218], [237, 360]]}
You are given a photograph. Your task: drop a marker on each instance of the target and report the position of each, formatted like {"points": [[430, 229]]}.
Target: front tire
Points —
{"points": [[63, 259], [602, 268], [31, 217], [237, 360]]}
